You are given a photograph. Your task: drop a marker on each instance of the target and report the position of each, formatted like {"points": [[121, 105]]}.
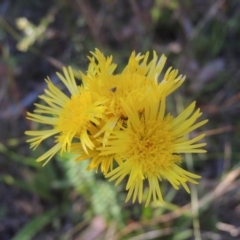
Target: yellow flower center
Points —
{"points": [[151, 147], [75, 115]]}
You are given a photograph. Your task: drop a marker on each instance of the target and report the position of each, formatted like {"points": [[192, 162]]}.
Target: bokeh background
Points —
{"points": [[62, 201]]}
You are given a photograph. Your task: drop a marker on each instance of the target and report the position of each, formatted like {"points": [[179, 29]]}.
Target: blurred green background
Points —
{"points": [[62, 201]]}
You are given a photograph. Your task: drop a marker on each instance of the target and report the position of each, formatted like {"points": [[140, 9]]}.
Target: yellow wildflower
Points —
{"points": [[137, 80], [121, 117], [70, 117], [149, 147]]}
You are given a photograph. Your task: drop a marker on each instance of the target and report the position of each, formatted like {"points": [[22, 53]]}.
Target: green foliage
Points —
{"points": [[104, 202], [211, 40], [35, 225], [102, 196]]}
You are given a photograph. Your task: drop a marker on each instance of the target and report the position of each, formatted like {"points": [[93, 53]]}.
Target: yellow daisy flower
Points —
{"points": [[138, 80], [70, 117], [121, 117], [149, 146]]}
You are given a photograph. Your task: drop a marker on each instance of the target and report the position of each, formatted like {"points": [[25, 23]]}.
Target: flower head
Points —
{"points": [[137, 80], [70, 117], [118, 122], [149, 146]]}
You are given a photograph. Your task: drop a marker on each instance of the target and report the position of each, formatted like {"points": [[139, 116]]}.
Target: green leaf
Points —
{"points": [[28, 161], [34, 226], [182, 235], [11, 181]]}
